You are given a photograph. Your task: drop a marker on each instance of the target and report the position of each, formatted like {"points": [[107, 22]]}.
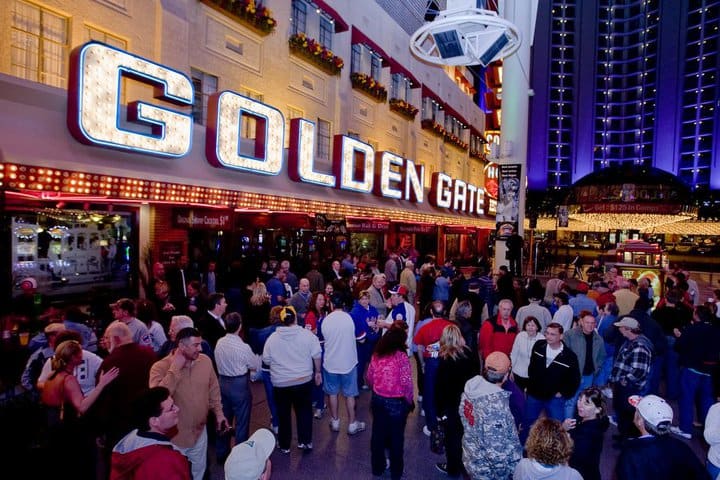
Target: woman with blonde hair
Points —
{"points": [[259, 310], [549, 448], [65, 403], [458, 364]]}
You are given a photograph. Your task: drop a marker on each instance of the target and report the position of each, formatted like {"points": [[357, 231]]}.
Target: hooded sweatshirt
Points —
{"points": [[529, 469], [491, 448], [289, 352], [148, 456]]}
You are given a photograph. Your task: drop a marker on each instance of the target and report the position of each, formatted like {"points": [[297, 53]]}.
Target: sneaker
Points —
{"points": [[305, 447], [613, 420], [335, 424], [426, 431], [607, 391], [680, 433], [356, 427], [318, 413]]}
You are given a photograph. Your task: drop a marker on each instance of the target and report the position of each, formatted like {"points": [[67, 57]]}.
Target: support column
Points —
{"points": [[515, 103]]}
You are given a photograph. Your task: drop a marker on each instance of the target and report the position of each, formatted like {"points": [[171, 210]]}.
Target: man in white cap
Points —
{"points": [[655, 454], [250, 460], [630, 373]]}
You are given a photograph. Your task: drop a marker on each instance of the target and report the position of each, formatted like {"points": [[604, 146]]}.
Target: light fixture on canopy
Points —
{"points": [[463, 34]]}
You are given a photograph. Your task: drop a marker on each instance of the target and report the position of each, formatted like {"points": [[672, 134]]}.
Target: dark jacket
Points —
{"points": [[210, 329], [659, 458], [588, 439], [562, 375], [699, 347], [452, 375]]}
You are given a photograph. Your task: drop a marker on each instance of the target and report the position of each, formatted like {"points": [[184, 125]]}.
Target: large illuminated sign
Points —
{"points": [[94, 113], [96, 117]]}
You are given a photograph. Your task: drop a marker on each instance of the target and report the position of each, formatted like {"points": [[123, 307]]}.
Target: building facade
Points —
{"points": [[80, 213]]}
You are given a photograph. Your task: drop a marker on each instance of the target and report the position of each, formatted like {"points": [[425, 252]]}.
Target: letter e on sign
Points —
{"points": [[95, 116]]}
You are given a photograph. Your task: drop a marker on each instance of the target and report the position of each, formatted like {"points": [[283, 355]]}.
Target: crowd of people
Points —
{"points": [[512, 378]]}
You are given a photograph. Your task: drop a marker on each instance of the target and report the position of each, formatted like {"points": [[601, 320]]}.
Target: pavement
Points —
{"points": [[338, 455]]}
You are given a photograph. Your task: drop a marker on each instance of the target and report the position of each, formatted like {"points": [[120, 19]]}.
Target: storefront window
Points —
{"points": [[71, 252]]}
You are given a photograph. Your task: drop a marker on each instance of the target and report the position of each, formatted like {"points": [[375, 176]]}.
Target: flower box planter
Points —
{"points": [[433, 126], [477, 154], [454, 140], [403, 108], [369, 86], [315, 53], [259, 19]]}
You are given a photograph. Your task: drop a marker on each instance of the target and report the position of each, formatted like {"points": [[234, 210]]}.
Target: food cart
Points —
{"points": [[637, 259]]}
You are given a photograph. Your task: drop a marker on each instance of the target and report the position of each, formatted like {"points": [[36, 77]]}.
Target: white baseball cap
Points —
{"points": [[652, 409], [247, 460]]}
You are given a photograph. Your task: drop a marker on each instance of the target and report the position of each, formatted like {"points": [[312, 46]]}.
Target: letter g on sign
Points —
{"points": [[95, 115]]}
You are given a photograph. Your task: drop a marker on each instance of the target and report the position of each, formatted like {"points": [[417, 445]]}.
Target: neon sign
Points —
{"points": [[96, 117]]}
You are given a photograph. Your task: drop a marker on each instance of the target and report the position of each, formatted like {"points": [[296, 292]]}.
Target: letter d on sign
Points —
{"points": [[94, 114]]}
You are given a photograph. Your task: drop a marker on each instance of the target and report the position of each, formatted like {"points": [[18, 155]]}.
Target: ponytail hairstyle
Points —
{"points": [[64, 353]]}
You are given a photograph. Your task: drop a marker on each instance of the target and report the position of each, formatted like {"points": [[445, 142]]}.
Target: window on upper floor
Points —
{"points": [[92, 33], [400, 87], [356, 58], [431, 110], [39, 44], [375, 66], [299, 17], [204, 85], [326, 32], [324, 129]]}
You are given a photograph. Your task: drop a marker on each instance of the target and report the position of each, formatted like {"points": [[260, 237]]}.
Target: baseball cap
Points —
{"points": [[247, 460], [652, 409], [399, 290], [498, 362], [628, 322], [582, 287], [54, 328], [28, 282]]}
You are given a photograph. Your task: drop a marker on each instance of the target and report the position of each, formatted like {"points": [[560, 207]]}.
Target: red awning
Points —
{"points": [[395, 67], [359, 37], [340, 24], [426, 92]]}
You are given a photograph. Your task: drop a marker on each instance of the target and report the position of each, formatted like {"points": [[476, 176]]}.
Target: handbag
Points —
{"points": [[437, 437]]}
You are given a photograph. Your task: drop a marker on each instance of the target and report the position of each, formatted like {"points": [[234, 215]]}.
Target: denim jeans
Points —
{"points": [[554, 408], [428, 403], [236, 402], [695, 389], [625, 412], [297, 398], [388, 432], [270, 397], [671, 369]]}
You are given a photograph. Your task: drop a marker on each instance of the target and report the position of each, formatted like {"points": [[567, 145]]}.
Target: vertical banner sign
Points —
{"points": [[508, 206], [563, 216]]}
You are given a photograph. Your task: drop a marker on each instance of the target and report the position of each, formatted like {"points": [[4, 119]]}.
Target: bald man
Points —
{"points": [[113, 407]]}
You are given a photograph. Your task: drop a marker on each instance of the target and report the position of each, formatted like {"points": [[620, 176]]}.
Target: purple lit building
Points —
{"points": [[625, 81]]}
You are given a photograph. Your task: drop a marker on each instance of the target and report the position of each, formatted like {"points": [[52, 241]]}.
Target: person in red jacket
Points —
{"points": [[498, 334], [146, 453]]}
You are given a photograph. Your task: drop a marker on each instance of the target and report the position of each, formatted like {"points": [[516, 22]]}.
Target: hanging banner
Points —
{"points": [[508, 205]]}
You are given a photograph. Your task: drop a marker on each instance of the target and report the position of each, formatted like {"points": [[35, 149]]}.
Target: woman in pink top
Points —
{"points": [[390, 377]]}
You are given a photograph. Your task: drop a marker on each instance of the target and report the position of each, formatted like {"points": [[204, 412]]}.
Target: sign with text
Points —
{"points": [[508, 205], [367, 225], [170, 252], [201, 219], [419, 228]]}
